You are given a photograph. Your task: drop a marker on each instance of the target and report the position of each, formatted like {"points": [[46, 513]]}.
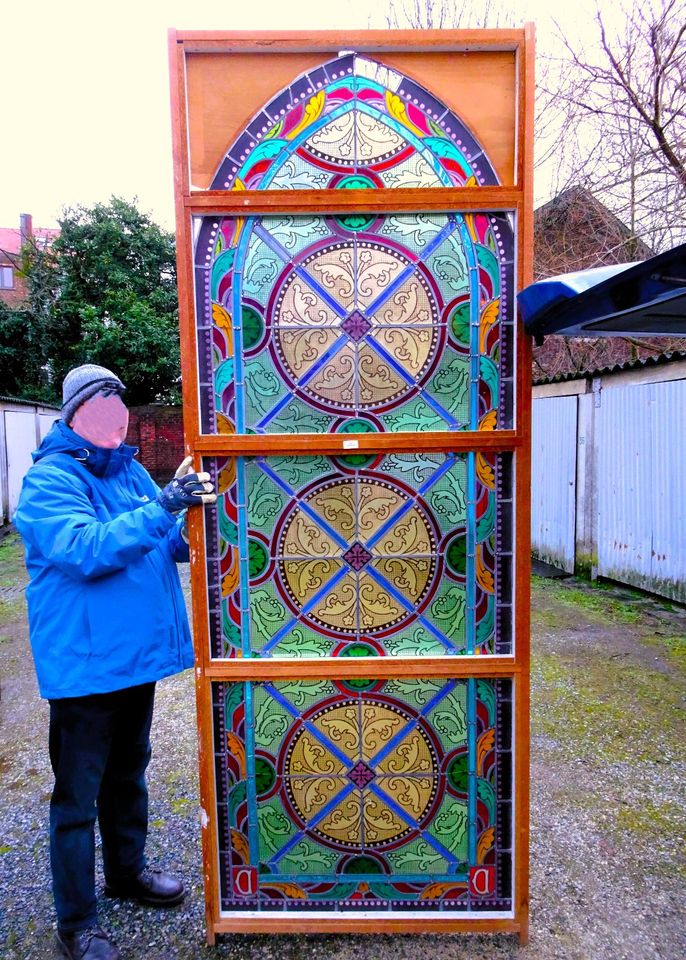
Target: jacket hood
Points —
{"points": [[99, 461]]}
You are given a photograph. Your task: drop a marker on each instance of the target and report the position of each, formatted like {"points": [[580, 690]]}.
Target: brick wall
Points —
{"points": [[14, 296], [11, 244], [157, 431]]}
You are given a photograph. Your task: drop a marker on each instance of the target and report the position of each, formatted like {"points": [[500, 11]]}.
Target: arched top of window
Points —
{"points": [[354, 123]]}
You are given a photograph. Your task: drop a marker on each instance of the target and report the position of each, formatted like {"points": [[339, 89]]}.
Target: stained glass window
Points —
{"points": [[361, 555], [404, 319], [339, 792], [364, 795], [400, 323]]}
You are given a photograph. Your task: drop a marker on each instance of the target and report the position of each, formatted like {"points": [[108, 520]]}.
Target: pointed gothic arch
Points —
{"points": [[353, 116]]}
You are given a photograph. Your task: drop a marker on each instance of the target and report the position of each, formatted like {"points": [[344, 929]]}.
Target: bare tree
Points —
{"points": [[616, 137], [446, 14], [611, 127], [619, 118]]}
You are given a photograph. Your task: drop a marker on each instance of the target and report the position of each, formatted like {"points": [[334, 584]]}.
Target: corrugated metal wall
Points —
{"points": [[553, 480], [642, 485], [626, 517]]}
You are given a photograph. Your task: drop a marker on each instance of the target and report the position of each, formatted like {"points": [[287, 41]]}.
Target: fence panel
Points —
{"points": [[553, 480], [20, 437], [668, 559], [45, 422], [641, 477]]}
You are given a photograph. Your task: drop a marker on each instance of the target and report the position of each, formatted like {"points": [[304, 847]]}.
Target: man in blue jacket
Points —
{"points": [[107, 619]]}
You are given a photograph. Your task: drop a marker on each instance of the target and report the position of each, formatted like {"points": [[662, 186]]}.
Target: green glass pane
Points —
{"points": [[448, 265], [449, 386], [264, 388]]}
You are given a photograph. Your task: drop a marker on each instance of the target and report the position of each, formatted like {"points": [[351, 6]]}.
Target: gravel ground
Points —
{"points": [[607, 857]]}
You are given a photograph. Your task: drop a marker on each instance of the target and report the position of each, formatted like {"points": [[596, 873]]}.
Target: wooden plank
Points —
{"points": [[208, 808], [463, 82], [523, 501], [179, 118], [204, 711], [337, 444], [191, 426], [226, 89], [275, 41], [184, 260], [441, 199], [225, 92], [352, 923], [296, 668]]}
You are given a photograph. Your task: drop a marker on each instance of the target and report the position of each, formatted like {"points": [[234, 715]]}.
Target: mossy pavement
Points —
{"points": [[607, 824]]}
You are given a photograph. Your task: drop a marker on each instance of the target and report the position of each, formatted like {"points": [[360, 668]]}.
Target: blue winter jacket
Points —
{"points": [[106, 609]]}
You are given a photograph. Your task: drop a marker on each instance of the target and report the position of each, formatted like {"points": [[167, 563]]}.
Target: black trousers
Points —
{"points": [[99, 750]]}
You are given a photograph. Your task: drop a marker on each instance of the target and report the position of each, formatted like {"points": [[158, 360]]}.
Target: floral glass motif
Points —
{"points": [[360, 555], [364, 795]]}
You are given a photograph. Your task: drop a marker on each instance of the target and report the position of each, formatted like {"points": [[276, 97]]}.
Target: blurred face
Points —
{"points": [[103, 420]]}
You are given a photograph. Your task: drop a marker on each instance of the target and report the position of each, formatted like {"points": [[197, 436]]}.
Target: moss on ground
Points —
{"points": [[608, 704], [607, 709], [599, 703], [12, 574], [641, 827], [593, 599], [10, 610], [652, 819], [12, 569], [673, 647]]}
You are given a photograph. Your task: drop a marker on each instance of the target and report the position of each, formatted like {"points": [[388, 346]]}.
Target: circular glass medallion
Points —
{"points": [[357, 554], [356, 326], [369, 766]]}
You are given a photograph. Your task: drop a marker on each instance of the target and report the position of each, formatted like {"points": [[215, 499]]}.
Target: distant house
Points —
{"points": [[12, 284], [575, 231]]}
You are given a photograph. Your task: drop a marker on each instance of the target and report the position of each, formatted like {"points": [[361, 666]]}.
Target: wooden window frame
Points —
{"points": [[518, 199]]}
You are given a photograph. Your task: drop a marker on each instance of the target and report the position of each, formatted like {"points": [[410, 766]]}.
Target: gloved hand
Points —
{"points": [[184, 468], [187, 489]]}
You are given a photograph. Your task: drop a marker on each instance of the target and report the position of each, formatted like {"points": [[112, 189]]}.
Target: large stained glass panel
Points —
{"points": [[364, 795], [312, 324], [361, 555], [359, 591]]}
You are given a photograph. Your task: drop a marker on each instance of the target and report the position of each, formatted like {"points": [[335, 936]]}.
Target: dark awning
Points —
{"points": [[621, 300]]}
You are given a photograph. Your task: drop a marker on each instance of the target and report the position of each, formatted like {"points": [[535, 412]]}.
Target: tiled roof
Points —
{"points": [[663, 358], [29, 402], [10, 237]]}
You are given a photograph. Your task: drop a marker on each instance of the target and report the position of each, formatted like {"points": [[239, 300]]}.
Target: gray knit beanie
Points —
{"points": [[82, 383]]}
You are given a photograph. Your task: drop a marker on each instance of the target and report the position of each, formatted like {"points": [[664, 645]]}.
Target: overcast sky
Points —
{"points": [[85, 105]]}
